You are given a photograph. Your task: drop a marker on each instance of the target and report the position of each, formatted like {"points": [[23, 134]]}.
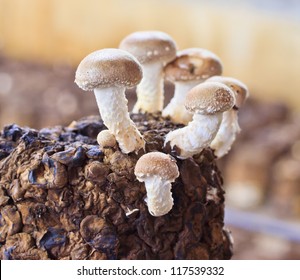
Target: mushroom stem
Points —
{"points": [[150, 96], [227, 133], [175, 109], [113, 108], [196, 136], [157, 170], [159, 197]]}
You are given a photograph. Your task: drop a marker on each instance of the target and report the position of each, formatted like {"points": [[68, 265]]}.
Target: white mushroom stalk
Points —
{"points": [[175, 108], [150, 91], [157, 170], [207, 101], [227, 133], [229, 128], [112, 105], [190, 67], [109, 72], [196, 136], [153, 49], [159, 197]]}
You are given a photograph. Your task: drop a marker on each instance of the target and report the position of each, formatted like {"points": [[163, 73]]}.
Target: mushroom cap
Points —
{"points": [[193, 64], [209, 98], [239, 88], [150, 46], [106, 139], [106, 68], [156, 163]]}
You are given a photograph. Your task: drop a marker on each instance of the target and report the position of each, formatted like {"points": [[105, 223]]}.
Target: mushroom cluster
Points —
{"points": [[203, 101]]}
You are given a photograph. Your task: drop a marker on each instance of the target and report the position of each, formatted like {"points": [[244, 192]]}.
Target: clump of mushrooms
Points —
{"points": [[207, 101], [158, 171], [108, 72], [209, 111], [189, 68], [229, 127], [153, 49]]}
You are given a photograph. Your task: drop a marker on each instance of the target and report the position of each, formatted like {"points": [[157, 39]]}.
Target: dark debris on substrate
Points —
{"points": [[61, 197]]}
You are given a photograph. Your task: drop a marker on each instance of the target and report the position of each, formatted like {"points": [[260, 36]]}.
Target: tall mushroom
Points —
{"points": [[158, 171], [153, 49], [108, 72], [207, 101], [229, 127], [190, 68]]}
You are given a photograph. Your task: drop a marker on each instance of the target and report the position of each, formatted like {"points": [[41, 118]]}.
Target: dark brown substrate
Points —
{"points": [[63, 198]]}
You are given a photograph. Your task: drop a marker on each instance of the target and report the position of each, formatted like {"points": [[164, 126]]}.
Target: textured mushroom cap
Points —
{"points": [[106, 139], [150, 46], [209, 98], [108, 67], [239, 88], [193, 64], [157, 163]]}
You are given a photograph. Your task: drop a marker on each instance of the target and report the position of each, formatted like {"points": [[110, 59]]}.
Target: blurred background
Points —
{"points": [[42, 42]]}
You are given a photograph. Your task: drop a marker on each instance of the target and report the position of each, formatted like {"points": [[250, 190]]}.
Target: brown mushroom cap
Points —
{"points": [[239, 88], [157, 163], [108, 67], [150, 46], [209, 98], [193, 64]]}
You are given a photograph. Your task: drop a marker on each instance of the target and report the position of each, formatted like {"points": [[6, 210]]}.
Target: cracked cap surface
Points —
{"points": [[193, 64]]}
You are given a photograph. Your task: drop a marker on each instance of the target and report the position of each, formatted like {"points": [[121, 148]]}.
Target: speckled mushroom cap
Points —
{"points": [[209, 98], [193, 64], [157, 163], [150, 46], [108, 67], [239, 88]]}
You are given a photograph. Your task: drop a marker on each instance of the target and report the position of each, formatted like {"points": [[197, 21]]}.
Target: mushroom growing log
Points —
{"points": [[99, 211]]}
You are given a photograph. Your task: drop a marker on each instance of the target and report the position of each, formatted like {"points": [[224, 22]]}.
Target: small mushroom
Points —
{"points": [[108, 72], [229, 127], [106, 140], [153, 49], [190, 68], [158, 171], [207, 101]]}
